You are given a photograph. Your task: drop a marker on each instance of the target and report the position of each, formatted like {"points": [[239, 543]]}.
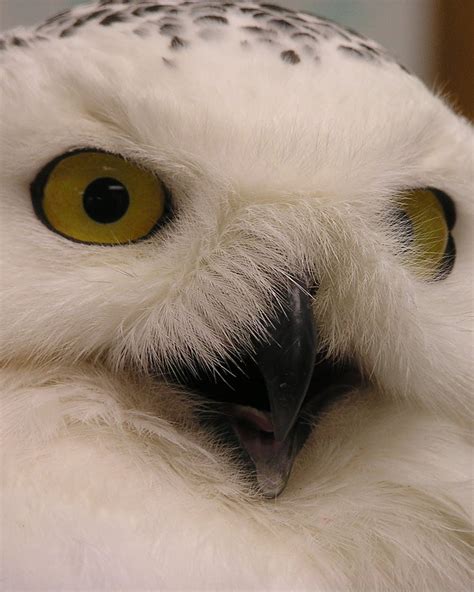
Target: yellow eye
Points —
{"points": [[99, 198], [426, 217]]}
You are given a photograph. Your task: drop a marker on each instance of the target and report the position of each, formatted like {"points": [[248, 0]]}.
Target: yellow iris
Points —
{"points": [[100, 198], [429, 231]]}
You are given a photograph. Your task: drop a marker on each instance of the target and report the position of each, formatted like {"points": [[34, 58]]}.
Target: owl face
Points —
{"points": [[204, 193]]}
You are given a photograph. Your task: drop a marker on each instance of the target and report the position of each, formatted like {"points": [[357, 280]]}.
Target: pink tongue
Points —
{"points": [[260, 420], [272, 458]]}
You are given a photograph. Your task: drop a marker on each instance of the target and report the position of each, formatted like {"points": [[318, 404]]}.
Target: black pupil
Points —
{"points": [[105, 200]]}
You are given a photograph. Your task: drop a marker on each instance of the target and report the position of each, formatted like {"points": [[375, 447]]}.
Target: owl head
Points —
{"points": [[252, 203]]}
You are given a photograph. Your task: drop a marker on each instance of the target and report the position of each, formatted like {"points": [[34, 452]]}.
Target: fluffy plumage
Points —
{"points": [[278, 167]]}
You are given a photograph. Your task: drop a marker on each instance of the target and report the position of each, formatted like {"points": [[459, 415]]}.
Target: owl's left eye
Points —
{"points": [[98, 198], [424, 219]]}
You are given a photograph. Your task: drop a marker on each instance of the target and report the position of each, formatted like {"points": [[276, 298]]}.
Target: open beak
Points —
{"points": [[286, 362], [267, 400]]}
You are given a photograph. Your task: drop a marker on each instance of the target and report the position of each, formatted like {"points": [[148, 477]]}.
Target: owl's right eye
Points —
{"points": [[99, 198]]}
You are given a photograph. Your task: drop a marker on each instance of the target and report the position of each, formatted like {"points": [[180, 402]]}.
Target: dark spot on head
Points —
{"points": [[246, 10], [275, 8], [141, 32], [304, 36], [177, 43], [318, 30], [290, 57], [371, 49], [343, 35], [351, 51], [58, 18], [324, 33], [67, 32], [94, 15], [168, 63], [212, 18], [405, 69], [169, 28], [154, 8], [298, 19], [113, 18], [256, 30], [19, 42], [259, 31], [371, 52], [79, 22], [281, 24], [207, 8], [259, 15]]}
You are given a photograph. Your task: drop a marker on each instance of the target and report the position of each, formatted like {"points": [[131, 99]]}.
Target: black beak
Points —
{"points": [[287, 361], [261, 399]]}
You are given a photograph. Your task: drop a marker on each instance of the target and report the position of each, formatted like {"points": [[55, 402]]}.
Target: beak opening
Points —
{"points": [[266, 403]]}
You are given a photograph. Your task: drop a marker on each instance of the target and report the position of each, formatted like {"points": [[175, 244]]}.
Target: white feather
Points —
{"points": [[108, 483]]}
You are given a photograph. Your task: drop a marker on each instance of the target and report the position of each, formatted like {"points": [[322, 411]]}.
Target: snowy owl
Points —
{"points": [[236, 289]]}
